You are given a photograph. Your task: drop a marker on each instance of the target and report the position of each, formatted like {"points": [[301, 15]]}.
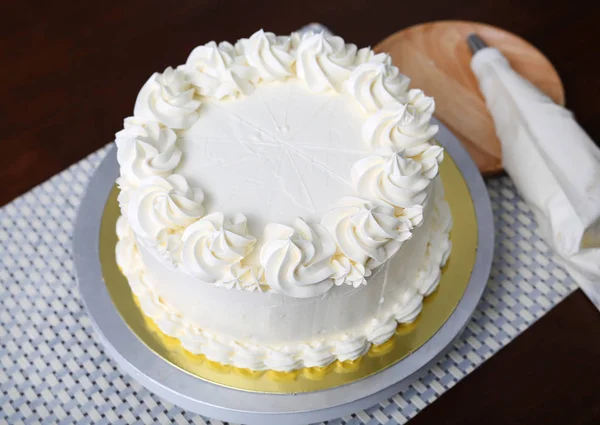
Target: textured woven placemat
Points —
{"points": [[52, 369]]}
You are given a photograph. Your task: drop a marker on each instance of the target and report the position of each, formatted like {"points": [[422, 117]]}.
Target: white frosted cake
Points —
{"points": [[280, 201]]}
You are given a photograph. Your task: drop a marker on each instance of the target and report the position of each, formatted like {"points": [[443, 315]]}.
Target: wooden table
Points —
{"points": [[70, 73]]}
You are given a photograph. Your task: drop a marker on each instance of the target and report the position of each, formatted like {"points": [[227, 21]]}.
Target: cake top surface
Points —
{"points": [[282, 152], [286, 163]]}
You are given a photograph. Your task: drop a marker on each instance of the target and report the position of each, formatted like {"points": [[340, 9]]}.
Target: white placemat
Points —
{"points": [[52, 369]]}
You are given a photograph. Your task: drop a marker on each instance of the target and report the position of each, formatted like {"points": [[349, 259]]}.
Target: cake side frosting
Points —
{"points": [[283, 344], [170, 207]]}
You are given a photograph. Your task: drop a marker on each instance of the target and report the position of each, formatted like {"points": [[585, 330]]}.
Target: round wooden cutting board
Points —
{"points": [[437, 59]]}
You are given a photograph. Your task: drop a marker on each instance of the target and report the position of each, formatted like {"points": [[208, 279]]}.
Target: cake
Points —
{"points": [[280, 199]]}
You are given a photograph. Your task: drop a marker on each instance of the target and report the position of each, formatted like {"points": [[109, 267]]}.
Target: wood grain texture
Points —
{"points": [[436, 57], [71, 70]]}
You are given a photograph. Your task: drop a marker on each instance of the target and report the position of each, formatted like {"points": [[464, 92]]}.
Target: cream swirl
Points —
{"points": [[422, 103], [160, 204], [413, 216], [392, 179], [248, 356], [431, 155], [126, 249], [297, 259], [438, 251], [169, 245], [364, 231], [296, 38], [399, 128], [379, 331], [430, 159], [409, 312], [243, 278], [349, 272], [213, 244], [438, 246], [145, 149], [377, 84], [442, 218], [428, 279], [366, 54], [169, 99], [442, 211], [317, 354], [269, 54], [351, 347], [324, 62], [283, 358], [220, 71], [125, 190]]}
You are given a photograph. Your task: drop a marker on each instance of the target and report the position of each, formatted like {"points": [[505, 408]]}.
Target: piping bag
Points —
{"points": [[552, 161]]}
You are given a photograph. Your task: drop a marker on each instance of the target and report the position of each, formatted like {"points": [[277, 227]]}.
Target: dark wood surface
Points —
{"points": [[70, 72]]}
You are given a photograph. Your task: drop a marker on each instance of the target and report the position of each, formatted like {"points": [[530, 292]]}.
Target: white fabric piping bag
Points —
{"points": [[552, 161]]}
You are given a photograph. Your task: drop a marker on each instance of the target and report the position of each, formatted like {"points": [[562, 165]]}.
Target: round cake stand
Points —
{"points": [[205, 398]]}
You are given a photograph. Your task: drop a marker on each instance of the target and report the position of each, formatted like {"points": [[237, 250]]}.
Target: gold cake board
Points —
{"points": [[437, 309]]}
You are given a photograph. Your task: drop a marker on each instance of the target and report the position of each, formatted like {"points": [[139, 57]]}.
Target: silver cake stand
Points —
{"points": [[205, 398]]}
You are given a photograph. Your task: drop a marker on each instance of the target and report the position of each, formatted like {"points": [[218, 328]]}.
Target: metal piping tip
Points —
{"points": [[475, 43]]}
